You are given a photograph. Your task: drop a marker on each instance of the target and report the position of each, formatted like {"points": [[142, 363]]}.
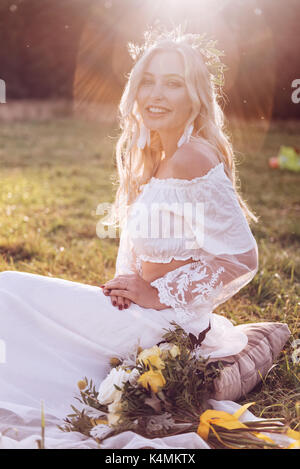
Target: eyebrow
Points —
{"points": [[166, 75]]}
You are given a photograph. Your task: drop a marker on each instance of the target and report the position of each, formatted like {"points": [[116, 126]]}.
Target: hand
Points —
{"points": [[136, 289], [120, 302], [117, 301]]}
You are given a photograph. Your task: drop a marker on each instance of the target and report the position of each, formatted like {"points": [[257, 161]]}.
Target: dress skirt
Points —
{"points": [[54, 332]]}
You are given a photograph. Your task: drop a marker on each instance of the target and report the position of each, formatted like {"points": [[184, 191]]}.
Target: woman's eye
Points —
{"points": [[174, 83], [149, 82]]}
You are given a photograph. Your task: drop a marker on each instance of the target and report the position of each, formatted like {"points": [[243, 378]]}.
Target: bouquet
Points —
{"points": [[165, 390]]}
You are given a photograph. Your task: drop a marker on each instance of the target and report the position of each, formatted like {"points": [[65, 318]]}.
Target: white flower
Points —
{"points": [[113, 419], [115, 406], [107, 391], [115, 409], [100, 431], [133, 377], [172, 348], [130, 359]]}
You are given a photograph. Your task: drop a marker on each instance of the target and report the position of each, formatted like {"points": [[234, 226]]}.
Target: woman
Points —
{"points": [[174, 161]]}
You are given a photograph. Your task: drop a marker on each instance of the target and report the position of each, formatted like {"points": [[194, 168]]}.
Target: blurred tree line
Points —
{"points": [[77, 49]]}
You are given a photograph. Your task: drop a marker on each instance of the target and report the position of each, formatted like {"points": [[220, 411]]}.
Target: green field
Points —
{"points": [[54, 174]]}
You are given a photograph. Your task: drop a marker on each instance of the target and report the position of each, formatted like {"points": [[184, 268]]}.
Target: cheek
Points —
{"points": [[181, 101], [141, 96], [182, 111]]}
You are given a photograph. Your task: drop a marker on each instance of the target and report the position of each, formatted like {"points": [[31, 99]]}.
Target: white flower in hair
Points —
{"points": [[199, 42]]}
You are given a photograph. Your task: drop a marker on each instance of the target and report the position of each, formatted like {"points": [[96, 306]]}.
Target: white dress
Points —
{"points": [[54, 332]]}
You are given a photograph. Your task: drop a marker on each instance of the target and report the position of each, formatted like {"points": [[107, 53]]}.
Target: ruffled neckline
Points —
{"points": [[182, 182]]}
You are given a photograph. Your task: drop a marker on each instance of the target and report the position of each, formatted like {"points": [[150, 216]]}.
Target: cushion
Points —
{"points": [[242, 372]]}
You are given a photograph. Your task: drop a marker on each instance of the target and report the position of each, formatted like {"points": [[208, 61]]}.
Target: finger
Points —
{"points": [[123, 293], [118, 278], [114, 300], [124, 303], [116, 288], [120, 302], [127, 303], [109, 286], [120, 282], [115, 284], [117, 301]]}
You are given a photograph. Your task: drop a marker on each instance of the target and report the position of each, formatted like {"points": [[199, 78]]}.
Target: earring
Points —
{"points": [[185, 136], [144, 136]]}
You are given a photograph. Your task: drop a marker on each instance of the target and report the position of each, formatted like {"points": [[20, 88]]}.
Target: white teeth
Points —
{"points": [[157, 109]]}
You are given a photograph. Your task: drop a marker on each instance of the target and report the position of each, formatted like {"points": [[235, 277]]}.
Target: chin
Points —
{"points": [[157, 125]]}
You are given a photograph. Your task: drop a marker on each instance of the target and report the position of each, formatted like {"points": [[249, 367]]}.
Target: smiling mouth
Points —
{"points": [[157, 113]]}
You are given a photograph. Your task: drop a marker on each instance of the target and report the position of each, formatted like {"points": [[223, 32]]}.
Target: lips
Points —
{"points": [[158, 107], [157, 115]]}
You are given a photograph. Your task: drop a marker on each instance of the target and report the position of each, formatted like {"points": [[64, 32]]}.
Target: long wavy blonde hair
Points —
{"points": [[135, 166]]}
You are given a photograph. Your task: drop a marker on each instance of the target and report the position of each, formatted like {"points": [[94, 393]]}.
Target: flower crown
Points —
{"points": [[210, 54]]}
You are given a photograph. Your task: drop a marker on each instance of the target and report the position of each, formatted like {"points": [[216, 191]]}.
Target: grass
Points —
{"points": [[54, 173]]}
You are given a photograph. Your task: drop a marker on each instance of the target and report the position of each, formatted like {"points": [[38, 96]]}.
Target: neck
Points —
{"points": [[169, 142]]}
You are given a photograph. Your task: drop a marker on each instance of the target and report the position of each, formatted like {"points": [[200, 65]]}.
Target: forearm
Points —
{"points": [[157, 300], [208, 281]]}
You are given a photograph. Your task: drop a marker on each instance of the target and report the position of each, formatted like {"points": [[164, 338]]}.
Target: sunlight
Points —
{"points": [[103, 59]]}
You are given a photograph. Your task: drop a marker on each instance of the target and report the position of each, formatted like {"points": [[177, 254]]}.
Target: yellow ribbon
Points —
{"points": [[296, 436], [224, 420], [220, 418], [295, 445]]}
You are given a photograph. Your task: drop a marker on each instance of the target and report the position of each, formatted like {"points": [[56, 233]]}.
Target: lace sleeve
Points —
{"points": [[126, 262], [227, 254], [207, 282]]}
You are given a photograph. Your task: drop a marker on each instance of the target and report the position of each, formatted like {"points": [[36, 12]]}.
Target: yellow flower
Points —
{"points": [[153, 351], [82, 384], [155, 361], [154, 379], [114, 361]]}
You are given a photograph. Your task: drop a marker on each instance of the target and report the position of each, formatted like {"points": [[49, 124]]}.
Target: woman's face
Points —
{"points": [[163, 85]]}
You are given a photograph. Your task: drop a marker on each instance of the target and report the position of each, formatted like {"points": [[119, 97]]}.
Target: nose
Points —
{"points": [[157, 90]]}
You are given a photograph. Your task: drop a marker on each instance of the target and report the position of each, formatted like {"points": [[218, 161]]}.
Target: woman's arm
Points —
{"points": [[209, 281]]}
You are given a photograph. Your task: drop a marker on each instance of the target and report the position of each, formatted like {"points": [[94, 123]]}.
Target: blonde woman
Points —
{"points": [[185, 247]]}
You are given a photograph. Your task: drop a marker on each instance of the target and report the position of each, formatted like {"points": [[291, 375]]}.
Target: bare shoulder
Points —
{"points": [[193, 159]]}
